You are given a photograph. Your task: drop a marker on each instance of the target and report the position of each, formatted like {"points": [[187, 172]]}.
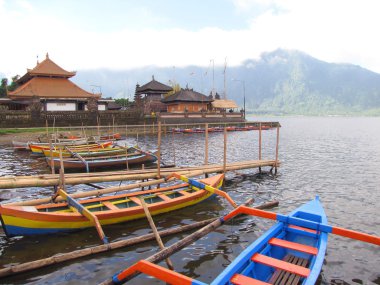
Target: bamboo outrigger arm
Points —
{"points": [[203, 186], [85, 212]]}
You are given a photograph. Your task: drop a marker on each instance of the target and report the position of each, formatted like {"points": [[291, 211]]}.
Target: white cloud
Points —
{"points": [[335, 31]]}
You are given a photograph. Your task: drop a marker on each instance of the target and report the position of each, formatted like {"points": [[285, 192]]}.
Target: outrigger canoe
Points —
{"points": [[37, 148], [290, 252], [285, 254], [121, 160], [60, 217], [86, 152]]}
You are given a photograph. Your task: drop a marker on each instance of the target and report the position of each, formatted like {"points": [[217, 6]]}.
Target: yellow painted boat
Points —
{"points": [[60, 217]]}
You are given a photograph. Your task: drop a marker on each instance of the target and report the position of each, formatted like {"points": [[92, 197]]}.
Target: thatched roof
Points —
{"points": [[224, 104]]}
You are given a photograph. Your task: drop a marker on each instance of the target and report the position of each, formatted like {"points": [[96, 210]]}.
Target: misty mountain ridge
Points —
{"points": [[280, 82]]}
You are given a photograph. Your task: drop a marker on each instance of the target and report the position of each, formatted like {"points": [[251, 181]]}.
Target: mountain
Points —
{"points": [[280, 82]]}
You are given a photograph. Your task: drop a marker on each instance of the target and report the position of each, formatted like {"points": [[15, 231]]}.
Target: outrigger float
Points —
{"points": [[290, 252]]}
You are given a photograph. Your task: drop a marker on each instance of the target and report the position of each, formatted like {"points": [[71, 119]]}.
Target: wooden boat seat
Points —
{"points": [[136, 200], [283, 277], [239, 279], [280, 264], [184, 193], [110, 206], [293, 245], [164, 197], [302, 229]]}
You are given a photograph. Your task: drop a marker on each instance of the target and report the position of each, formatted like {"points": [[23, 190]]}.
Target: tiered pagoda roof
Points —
{"points": [[49, 80], [153, 87]]}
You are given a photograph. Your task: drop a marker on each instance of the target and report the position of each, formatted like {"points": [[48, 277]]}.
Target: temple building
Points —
{"points": [[48, 84], [149, 96], [187, 100]]}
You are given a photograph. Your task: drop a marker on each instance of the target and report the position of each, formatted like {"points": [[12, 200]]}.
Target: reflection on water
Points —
{"points": [[335, 158]]}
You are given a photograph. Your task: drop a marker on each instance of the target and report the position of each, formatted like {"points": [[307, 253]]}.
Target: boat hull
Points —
{"points": [[116, 161], [245, 264], [38, 148], [34, 220]]}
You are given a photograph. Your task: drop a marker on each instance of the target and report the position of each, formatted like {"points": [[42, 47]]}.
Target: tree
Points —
{"points": [[13, 86], [176, 88], [3, 87], [123, 102]]}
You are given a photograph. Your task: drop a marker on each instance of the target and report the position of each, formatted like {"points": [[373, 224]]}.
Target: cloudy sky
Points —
{"points": [[123, 34]]}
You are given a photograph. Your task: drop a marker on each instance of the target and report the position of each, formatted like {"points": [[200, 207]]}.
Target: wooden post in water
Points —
{"points": [[62, 184], [225, 150], [98, 123], [155, 232], [113, 126], [206, 144], [126, 147], [260, 144], [173, 147], [51, 157], [47, 130], [159, 151], [277, 143]]}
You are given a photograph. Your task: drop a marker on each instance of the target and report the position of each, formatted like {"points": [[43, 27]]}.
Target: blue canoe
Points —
{"points": [[291, 252], [285, 254]]}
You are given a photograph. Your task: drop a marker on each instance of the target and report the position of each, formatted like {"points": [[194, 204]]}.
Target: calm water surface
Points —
{"points": [[335, 158]]}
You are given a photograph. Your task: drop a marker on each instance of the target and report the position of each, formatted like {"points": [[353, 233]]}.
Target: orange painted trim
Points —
{"points": [[356, 235], [294, 245], [156, 271], [250, 211], [280, 264], [239, 279]]}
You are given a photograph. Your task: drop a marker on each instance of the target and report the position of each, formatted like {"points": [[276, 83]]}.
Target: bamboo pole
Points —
{"points": [[51, 157], [260, 144], [161, 255], [225, 150], [155, 232], [47, 130], [85, 213], [98, 125], [113, 126], [206, 144], [62, 257], [277, 145], [159, 151], [82, 178], [173, 148], [62, 183]]}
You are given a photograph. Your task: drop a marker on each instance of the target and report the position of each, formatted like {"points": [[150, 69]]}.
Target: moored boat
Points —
{"points": [[285, 253], [92, 152], [20, 145], [60, 217], [114, 136], [37, 148], [133, 158]]}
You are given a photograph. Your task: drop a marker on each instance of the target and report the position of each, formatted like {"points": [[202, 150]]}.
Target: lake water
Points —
{"points": [[336, 158]]}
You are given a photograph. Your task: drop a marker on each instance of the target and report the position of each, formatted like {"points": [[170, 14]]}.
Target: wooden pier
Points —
{"points": [[46, 180]]}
